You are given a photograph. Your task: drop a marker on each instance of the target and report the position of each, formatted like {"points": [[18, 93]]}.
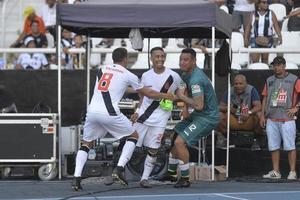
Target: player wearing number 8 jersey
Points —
{"points": [[103, 114]]}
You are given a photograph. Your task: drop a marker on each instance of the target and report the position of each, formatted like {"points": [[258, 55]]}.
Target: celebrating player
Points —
{"points": [[103, 114]]}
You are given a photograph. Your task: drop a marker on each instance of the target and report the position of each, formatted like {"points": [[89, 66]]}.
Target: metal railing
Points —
{"points": [[80, 51]]}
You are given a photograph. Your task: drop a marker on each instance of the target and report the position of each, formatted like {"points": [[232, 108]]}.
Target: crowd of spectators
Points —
{"points": [[252, 18]]}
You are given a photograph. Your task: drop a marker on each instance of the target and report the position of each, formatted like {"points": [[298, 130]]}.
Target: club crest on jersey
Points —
{"points": [[195, 89]]}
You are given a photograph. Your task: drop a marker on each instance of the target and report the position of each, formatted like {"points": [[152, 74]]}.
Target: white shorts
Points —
{"points": [[277, 131], [149, 136], [97, 125]]}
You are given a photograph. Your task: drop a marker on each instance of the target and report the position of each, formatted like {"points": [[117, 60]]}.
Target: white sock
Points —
{"points": [[81, 159], [126, 153], [184, 167], [173, 160], [148, 167]]}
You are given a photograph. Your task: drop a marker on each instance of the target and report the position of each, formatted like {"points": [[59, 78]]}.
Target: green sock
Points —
{"points": [[172, 169], [185, 170]]}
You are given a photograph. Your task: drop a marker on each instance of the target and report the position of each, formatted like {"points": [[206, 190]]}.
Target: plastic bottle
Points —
{"points": [[238, 114], [92, 154]]}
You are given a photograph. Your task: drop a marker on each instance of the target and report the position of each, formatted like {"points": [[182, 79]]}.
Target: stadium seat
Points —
{"points": [[291, 65], [172, 60], [279, 10], [95, 59], [291, 40], [225, 8], [142, 59], [237, 42], [200, 60], [172, 45], [284, 27], [236, 66], [258, 66]]}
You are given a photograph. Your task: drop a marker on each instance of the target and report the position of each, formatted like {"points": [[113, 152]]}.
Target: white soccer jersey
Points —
{"points": [[110, 88], [36, 60], [150, 113]]}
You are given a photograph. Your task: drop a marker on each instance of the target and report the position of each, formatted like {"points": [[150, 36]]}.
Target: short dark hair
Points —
{"points": [[190, 51], [119, 54], [155, 49]]}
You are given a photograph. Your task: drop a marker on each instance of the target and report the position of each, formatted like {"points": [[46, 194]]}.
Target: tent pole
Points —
{"points": [[58, 50], [88, 79], [228, 114], [213, 84]]}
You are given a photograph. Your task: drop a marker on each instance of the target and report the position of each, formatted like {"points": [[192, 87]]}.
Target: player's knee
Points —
{"points": [[179, 142], [87, 144], [152, 152], [84, 148], [134, 135], [132, 139]]}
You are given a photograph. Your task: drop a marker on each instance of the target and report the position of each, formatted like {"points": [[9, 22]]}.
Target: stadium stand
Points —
{"points": [[279, 10]]}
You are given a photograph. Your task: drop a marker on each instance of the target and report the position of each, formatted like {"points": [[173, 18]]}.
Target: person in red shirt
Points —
{"points": [[30, 16], [280, 96]]}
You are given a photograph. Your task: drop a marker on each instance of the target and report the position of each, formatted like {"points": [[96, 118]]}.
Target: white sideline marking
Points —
{"points": [[175, 195], [231, 197]]}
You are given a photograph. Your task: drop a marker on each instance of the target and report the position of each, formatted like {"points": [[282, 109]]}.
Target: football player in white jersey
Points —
{"points": [[151, 117], [104, 115]]}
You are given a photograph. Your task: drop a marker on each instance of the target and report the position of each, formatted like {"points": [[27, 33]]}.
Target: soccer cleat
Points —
{"points": [[145, 184], [182, 183], [76, 184], [118, 176], [168, 177]]}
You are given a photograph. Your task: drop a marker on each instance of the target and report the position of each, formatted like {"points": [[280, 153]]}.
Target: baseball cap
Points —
{"points": [[278, 60], [28, 10]]}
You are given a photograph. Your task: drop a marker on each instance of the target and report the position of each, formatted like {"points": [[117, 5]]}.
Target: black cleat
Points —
{"points": [[168, 177], [76, 184], [145, 184], [183, 183], [118, 176]]}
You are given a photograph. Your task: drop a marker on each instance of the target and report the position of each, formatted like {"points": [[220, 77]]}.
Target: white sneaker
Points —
{"points": [[292, 175], [272, 175]]}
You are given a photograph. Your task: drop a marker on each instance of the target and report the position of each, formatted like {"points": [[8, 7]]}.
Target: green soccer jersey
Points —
{"points": [[198, 84]]}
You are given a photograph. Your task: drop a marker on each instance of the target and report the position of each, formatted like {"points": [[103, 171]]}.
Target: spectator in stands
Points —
{"points": [[78, 43], [48, 14], [294, 17], [31, 60], [261, 26], [203, 44], [30, 16], [242, 12], [66, 43], [280, 97], [244, 109], [39, 38]]}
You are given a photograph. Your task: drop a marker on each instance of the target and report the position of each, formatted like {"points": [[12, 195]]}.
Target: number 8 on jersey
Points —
{"points": [[104, 82]]}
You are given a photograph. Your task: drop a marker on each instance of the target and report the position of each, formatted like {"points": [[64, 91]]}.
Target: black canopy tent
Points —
{"points": [[155, 19]]}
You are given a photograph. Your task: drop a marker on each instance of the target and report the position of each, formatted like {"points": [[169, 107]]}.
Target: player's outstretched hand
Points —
{"points": [[134, 117]]}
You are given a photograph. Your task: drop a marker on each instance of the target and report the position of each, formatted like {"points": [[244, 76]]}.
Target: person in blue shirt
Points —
{"points": [[245, 108]]}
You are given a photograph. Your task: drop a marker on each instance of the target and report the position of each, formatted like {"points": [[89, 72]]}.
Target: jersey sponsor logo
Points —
{"points": [[196, 88], [282, 96]]}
